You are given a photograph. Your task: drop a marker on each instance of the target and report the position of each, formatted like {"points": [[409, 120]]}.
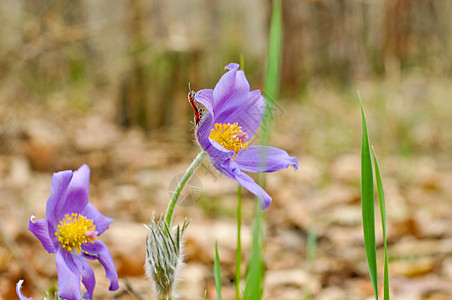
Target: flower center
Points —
{"points": [[230, 136], [74, 231]]}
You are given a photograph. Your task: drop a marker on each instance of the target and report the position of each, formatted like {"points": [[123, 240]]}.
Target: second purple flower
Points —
{"points": [[71, 231]]}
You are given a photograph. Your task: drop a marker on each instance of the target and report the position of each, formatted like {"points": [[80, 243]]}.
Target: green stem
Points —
{"points": [[165, 296], [238, 255], [194, 165]]}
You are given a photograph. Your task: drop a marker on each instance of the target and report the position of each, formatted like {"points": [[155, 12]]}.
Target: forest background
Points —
{"points": [[105, 83]]}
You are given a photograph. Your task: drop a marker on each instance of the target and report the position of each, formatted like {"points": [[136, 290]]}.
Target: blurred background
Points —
{"points": [[105, 83]]}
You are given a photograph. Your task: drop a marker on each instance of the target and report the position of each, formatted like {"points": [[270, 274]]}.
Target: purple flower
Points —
{"points": [[234, 115], [71, 231]]}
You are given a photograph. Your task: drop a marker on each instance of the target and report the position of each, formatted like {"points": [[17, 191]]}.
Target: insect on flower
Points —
{"points": [[198, 111]]}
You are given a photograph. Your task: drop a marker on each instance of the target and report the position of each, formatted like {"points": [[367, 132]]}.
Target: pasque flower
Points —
{"points": [[71, 231], [234, 113]]}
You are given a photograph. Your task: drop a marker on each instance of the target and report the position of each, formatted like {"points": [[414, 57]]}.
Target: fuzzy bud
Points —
{"points": [[164, 256]]}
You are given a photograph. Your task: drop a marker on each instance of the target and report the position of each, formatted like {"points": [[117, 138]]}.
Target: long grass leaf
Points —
{"points": [[217, 272], [242, 62], [311, 246], [238, 253], [381, 198], [272, 74], [367, 203], [255, 279]]}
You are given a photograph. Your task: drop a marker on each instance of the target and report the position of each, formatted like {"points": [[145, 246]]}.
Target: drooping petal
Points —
{"points": [[230, 92], [88, 279], [77, 196], [99, 220], [19, 291], [248, 115], [40, 228], [58, 188], [248, 183], [99, 250], [265, 159], [68, 276]]}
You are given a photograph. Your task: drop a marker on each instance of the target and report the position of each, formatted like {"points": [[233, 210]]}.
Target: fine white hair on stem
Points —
{"points": [[164, 258]]}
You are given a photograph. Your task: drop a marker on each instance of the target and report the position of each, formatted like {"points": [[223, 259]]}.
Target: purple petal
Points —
{"points": [[223, 87], [88, 279], [99, 220], [205, 97], [19, 291], [265, 159], [218, 153], [101, 252], [40, 228], [77, 192], [248, 115], [68, 276], [230, 92], [58, 188], [248, 183], [232, 66], [203, 132]]}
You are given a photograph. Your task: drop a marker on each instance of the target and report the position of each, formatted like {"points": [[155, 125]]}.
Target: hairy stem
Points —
{"points": [[194, 165]]}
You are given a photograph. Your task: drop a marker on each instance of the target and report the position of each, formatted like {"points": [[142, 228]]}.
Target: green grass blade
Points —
{"points": [[311, 247], [272, 75], [381, 197], [255, 279], [271, 83], [217, 272], [238, 253], [242, 62], [310, 259], [367, 203]]}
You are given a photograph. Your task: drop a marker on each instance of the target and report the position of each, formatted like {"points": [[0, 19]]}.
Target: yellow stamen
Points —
{"points": [[230, 136], [76, 230]]}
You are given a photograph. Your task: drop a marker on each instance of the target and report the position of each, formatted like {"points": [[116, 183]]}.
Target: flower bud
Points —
{"points": [[164, 256]]}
